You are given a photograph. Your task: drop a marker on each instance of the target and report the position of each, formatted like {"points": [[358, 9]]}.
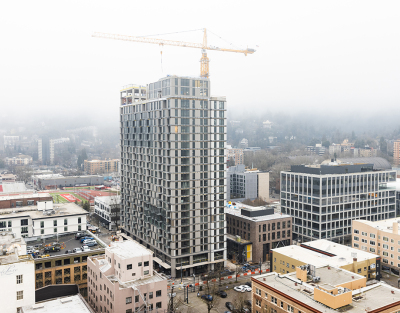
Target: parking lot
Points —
{"points": [[67, 242]]}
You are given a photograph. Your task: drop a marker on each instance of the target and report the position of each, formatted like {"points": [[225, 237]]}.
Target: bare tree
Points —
{"points": [[210, 293]]}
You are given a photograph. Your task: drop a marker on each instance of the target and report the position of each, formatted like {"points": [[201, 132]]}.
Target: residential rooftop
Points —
{"points": [[109, 199], [365, 299], [75, 304], [61, 209], [128, 249]]}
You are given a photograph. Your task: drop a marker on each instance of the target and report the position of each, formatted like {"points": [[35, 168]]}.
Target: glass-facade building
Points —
{"points": [[323, 200], [173, 179]]}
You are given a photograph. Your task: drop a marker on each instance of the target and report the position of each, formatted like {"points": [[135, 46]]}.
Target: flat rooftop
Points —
{"points": [[343, 256], [128, 249], [60, 209], [341, 251], [373, 297], [270, 217], [383, 225], [333, 276], [75, 304], [25, 196]]}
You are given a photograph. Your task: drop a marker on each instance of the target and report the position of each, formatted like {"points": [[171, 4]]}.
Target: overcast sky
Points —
{"points": [[321, 55]]}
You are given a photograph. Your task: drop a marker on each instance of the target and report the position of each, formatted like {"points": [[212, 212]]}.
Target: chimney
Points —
{"points": [[395, 228]]}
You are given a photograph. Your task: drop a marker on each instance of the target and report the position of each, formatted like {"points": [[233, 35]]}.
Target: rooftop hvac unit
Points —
{"points": [[316, 279]]}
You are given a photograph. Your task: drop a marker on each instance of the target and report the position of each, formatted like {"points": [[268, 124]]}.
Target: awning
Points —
{"points": [[164, 265]]}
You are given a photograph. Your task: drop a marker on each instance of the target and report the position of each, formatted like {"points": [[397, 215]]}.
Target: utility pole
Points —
{"points": [[181, 271]]}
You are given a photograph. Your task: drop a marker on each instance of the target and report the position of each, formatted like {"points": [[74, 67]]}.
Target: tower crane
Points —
{"points": [[204, 61]]}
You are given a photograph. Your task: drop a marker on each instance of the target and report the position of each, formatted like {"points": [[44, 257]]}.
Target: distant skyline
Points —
{"points": [[311, 55]]}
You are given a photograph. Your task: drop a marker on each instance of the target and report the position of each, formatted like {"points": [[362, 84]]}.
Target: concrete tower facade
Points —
{"points": [[173, 179]]}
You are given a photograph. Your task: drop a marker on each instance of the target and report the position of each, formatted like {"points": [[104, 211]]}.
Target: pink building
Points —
{"points": [[123, 281]]}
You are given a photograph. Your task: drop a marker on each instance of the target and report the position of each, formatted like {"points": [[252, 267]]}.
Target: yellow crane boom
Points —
{"points": [[204, 61]]}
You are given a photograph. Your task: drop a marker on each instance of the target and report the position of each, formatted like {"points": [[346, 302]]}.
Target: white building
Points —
{"points": [[71, 304], [10, 141], [43, 220], [19, 160], [17, 274], [107, 209]]}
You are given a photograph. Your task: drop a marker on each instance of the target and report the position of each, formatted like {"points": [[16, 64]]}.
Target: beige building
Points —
{"points": [[326, 289], [236, 155], [325, 253], [101, 166], [123, 280], [19, 160], [380, 237]]}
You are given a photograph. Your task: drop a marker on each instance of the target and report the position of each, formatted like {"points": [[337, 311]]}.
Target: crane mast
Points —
{"points": [[204, 61]]}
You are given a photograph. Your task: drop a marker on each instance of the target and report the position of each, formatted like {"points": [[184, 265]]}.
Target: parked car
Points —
{"points": [[86, 238], [79, 235], [246, 288], [207, 297], [68, 251], [52, 249], [248, 283], [77, 250], [30, 251], [239, 289], [85, 248], [90, 243], [221, 293], [230, 306], [38, 246], [29, 248]]}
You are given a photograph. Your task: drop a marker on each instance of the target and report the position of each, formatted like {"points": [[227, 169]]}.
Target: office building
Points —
{"points": [[101, 166], [107, 209], [46, 151], [43, 219], [324, 199], [123, 280], [17, 274], [253, 231], [321, 290], [380, 237], [247, 184], [325, 253], [173, 167]]}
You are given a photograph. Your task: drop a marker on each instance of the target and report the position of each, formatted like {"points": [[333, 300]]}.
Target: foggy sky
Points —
{"points": [[319, 56]]}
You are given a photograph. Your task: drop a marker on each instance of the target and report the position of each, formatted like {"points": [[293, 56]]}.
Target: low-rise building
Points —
{"points": [[321, 290], [53, 181], [7, 178], [18, 160], [17, 277], [322, 252], [71, 304], [44, 219], [247, 184], [380, 237], [123, 280], [66, 266], [101, 166], [107, 209], [254, 231], [20, 200]]}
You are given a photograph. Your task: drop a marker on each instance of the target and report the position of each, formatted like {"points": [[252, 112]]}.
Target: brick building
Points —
{"points": [[101, 166], [259, 226], [21, 200]]}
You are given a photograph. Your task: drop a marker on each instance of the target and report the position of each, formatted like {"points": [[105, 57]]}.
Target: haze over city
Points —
{"points": [[190, 157]]}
